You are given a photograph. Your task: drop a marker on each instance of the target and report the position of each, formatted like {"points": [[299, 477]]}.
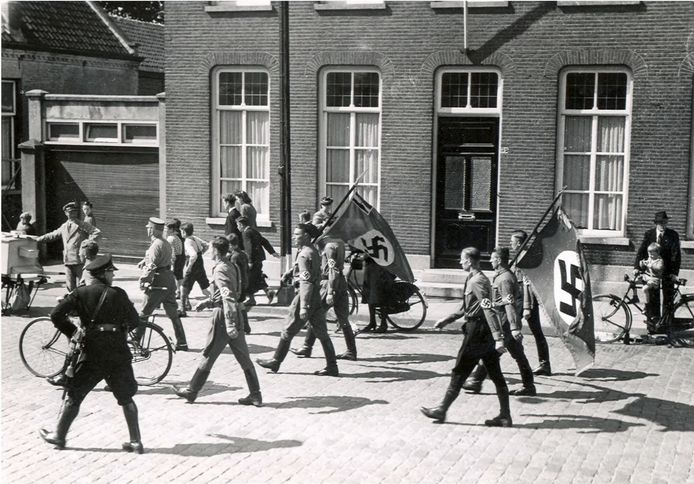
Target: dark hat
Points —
{"points": [[243, 220], [156, 223], [660, 217], [88, 243], [326, 201], [100, 263], [69, 207]]}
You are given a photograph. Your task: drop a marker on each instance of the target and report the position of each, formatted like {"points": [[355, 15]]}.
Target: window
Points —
{"points": [[241, 140], [101, 132], [140, 133], [63, 131], [593, 148], [9, 111], [469, 92], [238, 6], [350, 132]]}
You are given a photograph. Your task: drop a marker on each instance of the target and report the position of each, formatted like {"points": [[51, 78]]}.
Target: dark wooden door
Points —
{"points": [[466, 188]]}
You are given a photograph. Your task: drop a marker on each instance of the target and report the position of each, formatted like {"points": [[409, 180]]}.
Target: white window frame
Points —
{"points": [[81, 138], [469, 110], [12, 116], [353, 111], [263, 219], [595, 113]]}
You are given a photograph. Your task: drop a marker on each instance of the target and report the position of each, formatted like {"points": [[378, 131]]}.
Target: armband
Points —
{"points": [[486, 303]]}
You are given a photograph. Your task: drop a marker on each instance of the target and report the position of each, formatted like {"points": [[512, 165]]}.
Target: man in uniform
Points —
{"points": [[669, 241], [306, 307], [505, 292], [483, 340], [334, 288], [321, 217], [531, 309], [106, 315], [158, 281], [226, 329], [73, 232]]}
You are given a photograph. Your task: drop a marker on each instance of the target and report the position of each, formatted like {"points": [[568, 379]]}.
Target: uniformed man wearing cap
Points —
{"points": [[306, 306], [158, 281], [483, 339], [106, 315], [321, 217], [72, 232]]}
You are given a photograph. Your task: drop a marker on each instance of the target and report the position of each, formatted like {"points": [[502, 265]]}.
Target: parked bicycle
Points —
{"points": [[43, 350], [613, 316], [407, 309]]}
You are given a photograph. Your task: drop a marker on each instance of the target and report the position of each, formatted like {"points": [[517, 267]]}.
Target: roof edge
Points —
{"points": [[112, 26]]}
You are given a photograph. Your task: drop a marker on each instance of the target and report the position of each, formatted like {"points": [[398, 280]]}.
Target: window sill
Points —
{"points": [[222, 220], [596, 3], [687, 244], [337, 5], [621, 241], [478, 4], [237, 8]]}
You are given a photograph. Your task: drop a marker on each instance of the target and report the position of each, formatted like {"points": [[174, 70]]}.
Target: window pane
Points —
{"points": [[256, 89], [369, 193], [101, 132], [63, 130], [367, 160], [230, 159], [260, 194], [481, 179], [257, 127], [580, 87], [483, 89], [607, 214], [230, 127], [609, 173], [576, 207], [228, 186], [367, 130], [366, 89], [230, 88], [612, 90], [577, 172], [455, 183], [454, 90], [6, 139], [337, 166], [336, 192], [338, 89], [141, 133], [8, 100], [338, 129], [256, 159], [577, 132], [611, 134]]}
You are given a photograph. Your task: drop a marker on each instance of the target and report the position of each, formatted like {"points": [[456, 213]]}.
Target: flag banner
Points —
{"points": [[361, 226], [558, 274]]}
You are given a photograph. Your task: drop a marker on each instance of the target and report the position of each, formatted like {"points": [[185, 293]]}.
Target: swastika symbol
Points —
{"points": [[374, 250], [568, 285]]}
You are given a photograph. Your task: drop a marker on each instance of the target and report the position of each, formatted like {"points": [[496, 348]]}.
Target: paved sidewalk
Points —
{"points": [[630, 419]]}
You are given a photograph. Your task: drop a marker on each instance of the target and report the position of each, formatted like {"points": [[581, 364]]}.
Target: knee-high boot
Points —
{"points": [[350, 341], [330, 358], [504, 417], [273, 364], [135, 443], [184, 302], [179, 332], [67, 416], [306, 350], [190, 393], [474, 381], [254, 397], [438, 413]]}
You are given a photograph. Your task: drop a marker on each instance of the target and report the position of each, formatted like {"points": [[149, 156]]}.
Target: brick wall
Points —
{"points": [[528, 41]]}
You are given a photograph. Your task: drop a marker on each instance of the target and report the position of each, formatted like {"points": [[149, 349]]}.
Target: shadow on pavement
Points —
{"points": [[255, 349], [338, 403], [234, 446], [409, 358], [395, 374], [611, 374], [585, 424], [392, 336]]}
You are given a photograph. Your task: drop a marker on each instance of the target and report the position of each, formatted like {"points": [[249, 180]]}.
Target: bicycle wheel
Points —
{"points": [[681, 328], [43, 348], [611, 318], [353, 307], [152, 355], [412, 318]]}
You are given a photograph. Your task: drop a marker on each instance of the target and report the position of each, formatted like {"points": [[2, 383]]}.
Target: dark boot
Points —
{"points": [[527, 377], [307, 348], [438, 414], [504, 417], [60, 380], [474, 382], [330, 358], [544, 369], [254, 398], [67, 416], [135, 443], [179, 332], [350, 341], [190, 393], [184, 302], [274, 363], [383, 327]]}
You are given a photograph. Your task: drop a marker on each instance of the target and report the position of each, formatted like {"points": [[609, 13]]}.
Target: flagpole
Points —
{"points": [[537, 227], [342, 202]]}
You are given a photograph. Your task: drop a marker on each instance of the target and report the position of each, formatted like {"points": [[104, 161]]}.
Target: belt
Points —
{"points": [[111, 328]]}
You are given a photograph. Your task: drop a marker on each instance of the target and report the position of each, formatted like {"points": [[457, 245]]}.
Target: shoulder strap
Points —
{"points": [[101, 302]]}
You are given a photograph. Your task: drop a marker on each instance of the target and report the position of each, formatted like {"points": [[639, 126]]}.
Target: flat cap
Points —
{"points": [[156, 223], [68, 207], [326, 201], [100, 263]]}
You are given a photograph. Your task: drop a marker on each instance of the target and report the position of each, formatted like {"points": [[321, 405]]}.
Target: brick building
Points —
{"points": [[460, 146]]}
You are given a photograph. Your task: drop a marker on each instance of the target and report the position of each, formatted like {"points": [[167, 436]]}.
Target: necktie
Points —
{"points": [[660, 238]]}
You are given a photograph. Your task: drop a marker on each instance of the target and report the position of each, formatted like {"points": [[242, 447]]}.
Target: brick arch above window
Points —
{"points": [[346, 58], [213, 59], [686, 66], [460, 59], [629, 58]]}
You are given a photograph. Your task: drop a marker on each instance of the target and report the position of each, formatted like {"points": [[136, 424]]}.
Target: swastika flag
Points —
{"points": [[361, 226], [558, 274]]}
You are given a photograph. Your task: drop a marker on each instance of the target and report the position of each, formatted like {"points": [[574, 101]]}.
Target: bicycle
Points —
{"points": [[613, 316], [43, 350]]}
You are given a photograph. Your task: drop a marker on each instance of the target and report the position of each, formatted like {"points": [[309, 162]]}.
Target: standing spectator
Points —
{"points": [[669, 241], [88, 214], [232, 214], [25, 227], [72, 232], [88, 252], [376, 291], [321, 217], [253, 246], [244, 205], [653, 274], [173, 237], [531, 310], [194, 269]]}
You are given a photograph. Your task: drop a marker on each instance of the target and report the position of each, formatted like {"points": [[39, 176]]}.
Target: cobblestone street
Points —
{"points": [[630, 419]]}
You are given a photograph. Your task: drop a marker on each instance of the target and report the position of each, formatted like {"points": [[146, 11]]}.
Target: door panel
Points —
{"points": [[466, 188]]}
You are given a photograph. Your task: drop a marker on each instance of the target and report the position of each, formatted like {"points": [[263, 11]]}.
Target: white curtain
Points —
{"points": [[609, 174], [577, 132]]}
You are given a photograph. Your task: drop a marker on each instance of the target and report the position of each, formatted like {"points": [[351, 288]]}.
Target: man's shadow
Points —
{"points": [[332, 403]]}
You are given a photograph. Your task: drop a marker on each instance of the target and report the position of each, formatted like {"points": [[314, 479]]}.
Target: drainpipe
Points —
{"points": [[285, 141]]}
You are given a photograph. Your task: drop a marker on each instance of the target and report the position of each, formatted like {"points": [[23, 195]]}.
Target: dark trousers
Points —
{"points": [[540, 340], [463, 368], [653, 299], [118, 375]]}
